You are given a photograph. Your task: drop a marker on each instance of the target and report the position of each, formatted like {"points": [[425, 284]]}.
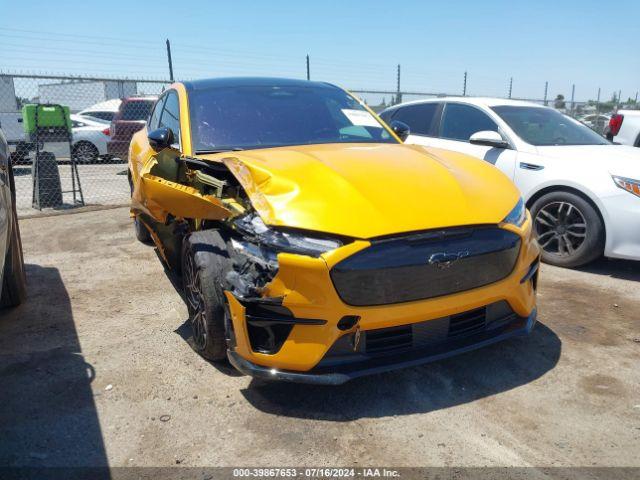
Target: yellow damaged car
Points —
{"points": [[313, 245]]}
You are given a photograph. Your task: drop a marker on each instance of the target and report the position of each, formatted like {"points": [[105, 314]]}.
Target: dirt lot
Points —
{"points": [[95, 370]]}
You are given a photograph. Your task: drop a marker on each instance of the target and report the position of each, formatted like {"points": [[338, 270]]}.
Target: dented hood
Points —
{"points": [[370, 190]]}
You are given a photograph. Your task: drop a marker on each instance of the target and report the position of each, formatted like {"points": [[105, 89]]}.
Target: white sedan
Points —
{"points": [[90, 139], [583, 191]]}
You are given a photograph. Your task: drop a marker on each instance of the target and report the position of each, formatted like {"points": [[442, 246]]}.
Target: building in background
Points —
{"points": [[78, 95]]}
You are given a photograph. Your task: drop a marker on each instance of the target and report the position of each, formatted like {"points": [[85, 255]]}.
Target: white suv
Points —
{"points": [[583, 191]]}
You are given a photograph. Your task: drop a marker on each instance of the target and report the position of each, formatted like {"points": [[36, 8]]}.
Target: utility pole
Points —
{"points": [[546, 89], [169, 59], [573, 95], [464, 86], [598, 102], [619, 97], [308, 68], [636, 100], [510, 86], [398, 94]]}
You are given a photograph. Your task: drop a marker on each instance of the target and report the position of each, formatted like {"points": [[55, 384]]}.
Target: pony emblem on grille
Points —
{"points": [[443, 260]]}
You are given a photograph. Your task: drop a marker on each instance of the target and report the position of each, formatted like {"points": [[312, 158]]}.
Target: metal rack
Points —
{"points": [[51, 135]]}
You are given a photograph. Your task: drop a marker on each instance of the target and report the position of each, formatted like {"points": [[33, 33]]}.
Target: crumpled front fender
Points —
{"points": [[159, 197]]}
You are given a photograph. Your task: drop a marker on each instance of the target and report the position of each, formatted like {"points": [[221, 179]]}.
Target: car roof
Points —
{"points": [[478, 101], [146, 98], [224, 82], [111, 105]]}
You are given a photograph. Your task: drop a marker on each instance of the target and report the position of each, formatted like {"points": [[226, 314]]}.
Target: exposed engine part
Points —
{"points": [[216, 184], [254, 266]]}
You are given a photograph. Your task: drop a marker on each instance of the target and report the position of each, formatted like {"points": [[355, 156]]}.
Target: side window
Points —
{"points": [[386, 116], [171, 115], [459, 122], [420, 118], [154, 119]]}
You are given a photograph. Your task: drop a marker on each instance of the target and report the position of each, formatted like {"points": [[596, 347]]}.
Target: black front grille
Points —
{"points": [[467, 323], [387, 339], [426, 335], [426, 265], [421, 334]]}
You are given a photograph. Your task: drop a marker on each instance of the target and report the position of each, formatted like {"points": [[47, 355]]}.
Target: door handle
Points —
{"points": [[530, 166]]}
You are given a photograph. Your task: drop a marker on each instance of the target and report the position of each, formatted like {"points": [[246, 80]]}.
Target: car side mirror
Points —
{"points": [[401, 129], [161, 138], [488, 138]]}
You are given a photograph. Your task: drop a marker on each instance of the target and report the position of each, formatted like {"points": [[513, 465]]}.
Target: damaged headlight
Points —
{"points": [[518, 215], [282, 241]]}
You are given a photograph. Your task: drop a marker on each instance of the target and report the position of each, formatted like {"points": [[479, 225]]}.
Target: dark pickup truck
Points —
{"points": [[131, 117]]}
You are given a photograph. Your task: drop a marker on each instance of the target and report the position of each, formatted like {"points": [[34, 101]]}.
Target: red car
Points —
{"points": [[131, 117]]}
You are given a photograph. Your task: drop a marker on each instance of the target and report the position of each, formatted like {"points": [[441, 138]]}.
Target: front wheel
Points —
{"points": [[205, 263], [568, 228]]}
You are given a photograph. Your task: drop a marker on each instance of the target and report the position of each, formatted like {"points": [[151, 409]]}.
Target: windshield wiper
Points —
{"points": [[219, 150]]}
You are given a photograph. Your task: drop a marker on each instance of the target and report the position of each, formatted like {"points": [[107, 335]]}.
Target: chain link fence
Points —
{"points": [[69, 136]]}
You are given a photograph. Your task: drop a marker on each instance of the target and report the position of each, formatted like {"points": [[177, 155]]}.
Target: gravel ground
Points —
{"points": [[95, 370]]}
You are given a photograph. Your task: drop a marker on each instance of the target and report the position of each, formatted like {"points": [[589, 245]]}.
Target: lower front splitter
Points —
{"points": [[340, 374]]}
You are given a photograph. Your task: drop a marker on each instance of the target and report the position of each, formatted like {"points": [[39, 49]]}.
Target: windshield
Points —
{"points": [[245, 117], [544, 126]]}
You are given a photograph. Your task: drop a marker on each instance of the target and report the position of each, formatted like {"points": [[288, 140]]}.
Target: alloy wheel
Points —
{"points": [[560, 228], [195, 302], [85, 153]]}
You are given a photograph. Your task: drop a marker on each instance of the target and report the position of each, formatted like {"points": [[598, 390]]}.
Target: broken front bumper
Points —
{"points": [[340, 373], [305, 288]]}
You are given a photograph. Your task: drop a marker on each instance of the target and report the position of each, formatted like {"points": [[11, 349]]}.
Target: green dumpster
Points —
{"points": [[46, 123]]}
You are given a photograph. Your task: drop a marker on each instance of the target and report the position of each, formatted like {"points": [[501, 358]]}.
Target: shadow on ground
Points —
{"points": [[48, 416], [423, 389], [615, 268]]}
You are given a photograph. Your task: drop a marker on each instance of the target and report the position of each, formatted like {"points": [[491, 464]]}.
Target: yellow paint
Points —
{"points": [[357, 190], [370, 190], [309, 293]]}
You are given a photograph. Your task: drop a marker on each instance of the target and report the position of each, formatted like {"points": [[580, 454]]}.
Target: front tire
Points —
{"points": [[568, 228], [205, 263]]}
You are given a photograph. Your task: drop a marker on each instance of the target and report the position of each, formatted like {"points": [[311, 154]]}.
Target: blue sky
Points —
{"points": [[356, 44]]}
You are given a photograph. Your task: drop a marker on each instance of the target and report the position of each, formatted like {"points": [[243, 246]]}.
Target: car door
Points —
{"points": [[459, 121], [141, 151], [157, 189], [422, 119]]}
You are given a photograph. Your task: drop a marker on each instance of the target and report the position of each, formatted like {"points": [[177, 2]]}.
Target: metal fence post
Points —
{"points": [[308, 69], [546, 89], [510, 86], [169, 60], [398, 93]]}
